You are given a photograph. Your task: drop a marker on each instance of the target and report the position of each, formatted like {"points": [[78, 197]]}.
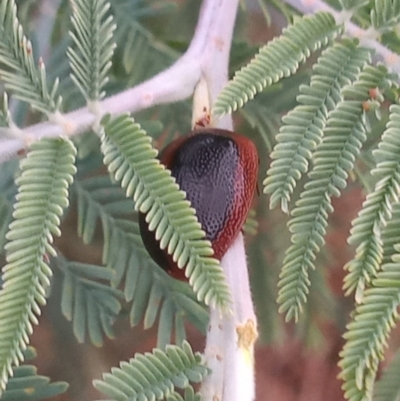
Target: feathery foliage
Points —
{"points": [[89, 301], [142, 55], [303, 127], [132, 160], [279, 58], [385, 14], [26, 385], [376, 210], [17, 65], [154, 293], [387, 388], [343, 136], [153, 375], [144, 283], [46, 174], [93, 40], [101, 200], [368, 332]]}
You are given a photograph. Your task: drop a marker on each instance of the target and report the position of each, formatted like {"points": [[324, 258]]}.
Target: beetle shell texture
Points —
{"points": [[218, 171]]}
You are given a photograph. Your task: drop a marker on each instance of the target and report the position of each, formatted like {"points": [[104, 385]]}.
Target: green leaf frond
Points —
{"points": [[151, 290], [385, 14], [94, 47], [303, 127], [132, 161], [387, 388], [344, 134], [391, 235], [17, 65], [89, 301], [26, 385], [279, 58], [99, 199], [153, 375], [376, 210], [154, 294], [367, 334], [46, 174]]}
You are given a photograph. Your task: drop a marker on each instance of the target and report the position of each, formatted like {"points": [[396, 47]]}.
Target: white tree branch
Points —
{"points": [[229, 349]]}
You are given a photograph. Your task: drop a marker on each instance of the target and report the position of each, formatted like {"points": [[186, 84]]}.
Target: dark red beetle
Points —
{"points": [[218, 171]]}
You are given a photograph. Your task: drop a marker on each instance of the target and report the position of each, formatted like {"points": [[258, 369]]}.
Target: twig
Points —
{"points": [[392, 60], [207, 56]]}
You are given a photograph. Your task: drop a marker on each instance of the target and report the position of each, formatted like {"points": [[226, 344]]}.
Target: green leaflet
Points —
{"points": [[303, 127], [279, 58], [376, 210], [46, 174], [344, 134], [90, 58], [132, 160], [17, 66], [367, 334], [154, 375]]}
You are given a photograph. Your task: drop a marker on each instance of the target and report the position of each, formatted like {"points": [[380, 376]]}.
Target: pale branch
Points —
{"points": [[230, 342], [366, 37], [207, 57]]}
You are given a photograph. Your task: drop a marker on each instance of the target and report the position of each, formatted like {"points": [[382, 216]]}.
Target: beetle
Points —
{"points": [[218, 171]]}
